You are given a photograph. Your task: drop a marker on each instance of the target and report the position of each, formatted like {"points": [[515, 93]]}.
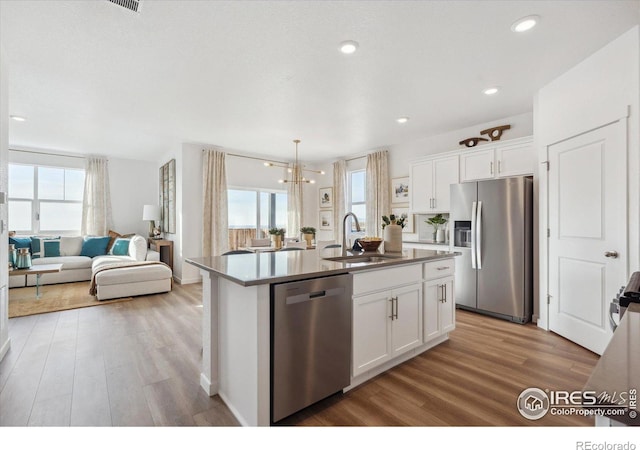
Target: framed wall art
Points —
{"points": [[325, 220], [326, 197], [168, 196], [400, 190]]}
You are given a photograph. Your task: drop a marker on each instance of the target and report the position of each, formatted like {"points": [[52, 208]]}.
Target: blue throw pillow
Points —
{"points": [[20, 242], [120, 247], [42, 247], [95, 246]]}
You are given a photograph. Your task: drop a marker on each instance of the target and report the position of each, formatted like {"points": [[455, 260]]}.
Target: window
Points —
{"points": [[357, 196], [253, 212], [45, 199]]}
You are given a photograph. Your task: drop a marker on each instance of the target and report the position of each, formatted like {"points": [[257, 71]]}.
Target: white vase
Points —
{"points": [[440, 235], [393, 238]]}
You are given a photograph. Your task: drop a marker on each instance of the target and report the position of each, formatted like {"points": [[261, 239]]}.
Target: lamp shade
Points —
{"points": [[151, 212]]}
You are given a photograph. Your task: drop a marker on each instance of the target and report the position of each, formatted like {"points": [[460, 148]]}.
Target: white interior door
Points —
{"points": [[587, 221]]}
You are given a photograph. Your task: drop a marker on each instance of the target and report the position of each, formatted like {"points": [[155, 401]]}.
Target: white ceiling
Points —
{"points": [[92, 77]]}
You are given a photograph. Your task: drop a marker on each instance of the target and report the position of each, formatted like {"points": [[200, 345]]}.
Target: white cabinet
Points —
{"points": [[507, 159], [439, 298], [430, 181], [386, 323]]}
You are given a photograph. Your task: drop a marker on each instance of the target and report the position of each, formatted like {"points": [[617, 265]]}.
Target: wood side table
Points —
{"points": [[165, 248]]}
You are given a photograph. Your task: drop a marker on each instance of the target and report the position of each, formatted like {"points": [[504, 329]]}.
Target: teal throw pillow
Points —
{"points": [[95, 246], [120, 247], [21, 242], [42, 247]]}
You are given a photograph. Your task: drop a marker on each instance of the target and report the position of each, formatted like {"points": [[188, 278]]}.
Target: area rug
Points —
{"points": [[54, 297]]}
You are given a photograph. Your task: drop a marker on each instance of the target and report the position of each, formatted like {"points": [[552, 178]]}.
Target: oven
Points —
{"points": [[626, 295]]}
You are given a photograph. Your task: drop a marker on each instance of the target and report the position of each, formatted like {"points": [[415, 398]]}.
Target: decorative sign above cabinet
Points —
{"points": [[494, 133]]}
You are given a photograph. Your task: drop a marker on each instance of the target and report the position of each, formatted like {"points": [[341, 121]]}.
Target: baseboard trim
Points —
{"points": [[187, 280], [5, 348]]}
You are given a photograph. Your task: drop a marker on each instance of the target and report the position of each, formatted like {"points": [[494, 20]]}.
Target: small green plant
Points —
{"points": [[436, 221], [394, 220], [277, 231], [308, 230]]}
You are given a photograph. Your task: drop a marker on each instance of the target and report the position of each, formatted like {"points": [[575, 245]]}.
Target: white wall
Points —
{"points": [[592, 93], [4, 150]]}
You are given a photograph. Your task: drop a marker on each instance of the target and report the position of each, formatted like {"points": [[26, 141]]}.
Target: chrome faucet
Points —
{"points": [[344, 231]]}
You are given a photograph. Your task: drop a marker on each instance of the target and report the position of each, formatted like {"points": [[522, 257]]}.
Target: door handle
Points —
{"points": [[611, 254]]}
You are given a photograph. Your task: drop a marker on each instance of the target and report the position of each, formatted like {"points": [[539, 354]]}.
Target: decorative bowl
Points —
{"points": [[370, 245]]}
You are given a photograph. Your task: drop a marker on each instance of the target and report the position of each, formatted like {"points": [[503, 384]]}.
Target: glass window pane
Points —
{"points": [[358, 186], [20, 215], [50, 183], [73, 184], [58, 216], [264, 211], [242, 207], [20, 182], [361, 213], [281, 212]]}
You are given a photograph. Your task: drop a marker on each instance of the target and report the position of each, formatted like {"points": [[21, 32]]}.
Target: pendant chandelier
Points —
{"points": [[295, 170]]}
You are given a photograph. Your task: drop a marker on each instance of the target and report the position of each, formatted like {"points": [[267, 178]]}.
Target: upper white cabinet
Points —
{"points": [[430, 180], [506, 159], [431, 177]]}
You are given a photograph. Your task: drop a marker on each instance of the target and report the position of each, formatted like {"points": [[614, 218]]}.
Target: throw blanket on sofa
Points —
{"points": [[93, 289]]}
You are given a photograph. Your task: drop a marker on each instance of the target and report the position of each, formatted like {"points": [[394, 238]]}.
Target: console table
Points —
{"points": [[165, 248]]}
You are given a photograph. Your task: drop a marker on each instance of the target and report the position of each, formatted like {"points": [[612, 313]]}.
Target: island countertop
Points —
{"points": [[277, 267]]}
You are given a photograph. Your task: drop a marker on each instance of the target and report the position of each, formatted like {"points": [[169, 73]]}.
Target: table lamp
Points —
{"points": [[151, 213]]}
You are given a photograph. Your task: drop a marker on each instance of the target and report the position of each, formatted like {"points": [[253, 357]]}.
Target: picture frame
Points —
{"points": [[325, 219], [168, 196], [400, 190], [325, 198], [409, 222]]}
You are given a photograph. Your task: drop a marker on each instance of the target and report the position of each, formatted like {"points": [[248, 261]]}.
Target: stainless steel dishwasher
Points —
{"points": [[310, 342]]}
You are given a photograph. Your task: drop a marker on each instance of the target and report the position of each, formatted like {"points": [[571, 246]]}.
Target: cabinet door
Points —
{"points": [[432, 296], [406, 325], [513, 160], [371, 331], [477, 165], [445, 173], [447, 314], [421, 189]]}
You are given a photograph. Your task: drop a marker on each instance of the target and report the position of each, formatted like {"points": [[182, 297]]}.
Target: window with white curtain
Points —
{"points": [[257, 209], [44, 199], [357, 197]]}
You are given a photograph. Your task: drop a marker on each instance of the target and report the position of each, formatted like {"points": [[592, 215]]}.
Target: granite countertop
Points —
{"points": [[276, 267], [618, 370]]}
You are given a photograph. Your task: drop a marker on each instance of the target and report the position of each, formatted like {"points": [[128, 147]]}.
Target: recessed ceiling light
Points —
{"points": [[402, 119], [525, 24], [490, 91], [18, 118], [348, 47]]}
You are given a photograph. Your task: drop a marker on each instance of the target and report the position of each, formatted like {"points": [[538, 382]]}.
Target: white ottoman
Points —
{"points": [[133, 280]]}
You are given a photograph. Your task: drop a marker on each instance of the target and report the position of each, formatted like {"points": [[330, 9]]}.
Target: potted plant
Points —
{"points": [[277, 234], [436, 222], [308, 233], [392, 230]]}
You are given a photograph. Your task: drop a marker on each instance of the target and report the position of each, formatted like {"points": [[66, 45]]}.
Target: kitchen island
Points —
{"points": [[236, 331]]}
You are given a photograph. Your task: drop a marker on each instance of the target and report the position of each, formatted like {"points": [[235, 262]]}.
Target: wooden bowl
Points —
{"points": [[369, 245]]}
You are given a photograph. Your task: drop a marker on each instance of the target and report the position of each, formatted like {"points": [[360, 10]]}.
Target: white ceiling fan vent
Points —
{"points": [[132, 5]]}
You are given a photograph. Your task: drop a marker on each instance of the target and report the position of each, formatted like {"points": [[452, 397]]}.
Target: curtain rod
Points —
{"points": [[357, 157], [253, 157], [45, 153]]}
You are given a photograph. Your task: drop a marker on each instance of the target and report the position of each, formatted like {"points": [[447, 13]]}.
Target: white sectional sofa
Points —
{"points": [[117, 282]]}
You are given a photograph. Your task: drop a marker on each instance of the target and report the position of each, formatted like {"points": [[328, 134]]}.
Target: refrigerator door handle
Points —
{"points": [[479, 236], [473, 235]]}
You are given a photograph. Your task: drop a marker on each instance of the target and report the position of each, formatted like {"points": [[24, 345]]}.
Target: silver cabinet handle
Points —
{"points": [[443, 268], [444, 299], [499, 168], [491, 167], [394, 308], [391, 316], [611, 254], [435, 203], [395, 300]]}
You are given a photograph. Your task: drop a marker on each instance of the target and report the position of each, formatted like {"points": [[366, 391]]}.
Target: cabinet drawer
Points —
{"points": [[439, 269], [385, 278]]}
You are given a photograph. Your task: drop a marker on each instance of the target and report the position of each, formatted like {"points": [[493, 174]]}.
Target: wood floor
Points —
{"points": [[137, 363]]}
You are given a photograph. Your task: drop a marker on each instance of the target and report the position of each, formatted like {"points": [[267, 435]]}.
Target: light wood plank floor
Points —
{"points": [[137, 363]]}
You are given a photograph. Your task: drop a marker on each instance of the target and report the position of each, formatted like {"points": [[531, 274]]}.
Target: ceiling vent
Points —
{"points": [[132, 5]]}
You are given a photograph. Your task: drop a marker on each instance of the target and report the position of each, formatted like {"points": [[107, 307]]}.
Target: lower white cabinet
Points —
{"points": [[439, 307], [385, 325]]}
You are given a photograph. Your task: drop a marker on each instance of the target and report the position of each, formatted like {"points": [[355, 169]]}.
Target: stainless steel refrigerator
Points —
{"points": [[493, 229]]}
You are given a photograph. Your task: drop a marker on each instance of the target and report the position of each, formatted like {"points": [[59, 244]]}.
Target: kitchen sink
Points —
{"points": [[363, 258]]}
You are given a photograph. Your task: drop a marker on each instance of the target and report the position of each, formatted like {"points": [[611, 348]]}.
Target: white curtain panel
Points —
{"points": [[339, 197], [215, 221], [294, 203], [96, 201], [377, 191]]}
